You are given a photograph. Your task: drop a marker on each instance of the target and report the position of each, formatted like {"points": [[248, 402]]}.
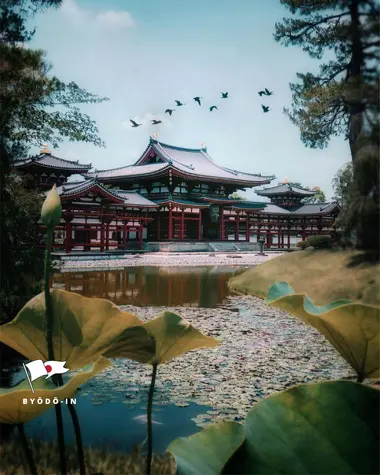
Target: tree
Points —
{"points": [[236, 196], [342, 184], [342, 99], [319, 196], [35, 108]]}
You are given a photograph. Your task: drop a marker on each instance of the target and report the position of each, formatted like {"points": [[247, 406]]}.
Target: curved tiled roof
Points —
{"points": [[46, 160], [284, 189], [130, 199], [193, 162]]}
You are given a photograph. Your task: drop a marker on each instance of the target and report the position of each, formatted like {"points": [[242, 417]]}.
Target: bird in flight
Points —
{"points": [[169, 111], [265, 92], [224, 95], [134, 124], [265, 108], [198, 99], [179, 103], [212, 108], [155, 122]]}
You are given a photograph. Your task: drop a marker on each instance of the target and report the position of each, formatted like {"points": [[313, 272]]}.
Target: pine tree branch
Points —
{"points": [[307, 28]]}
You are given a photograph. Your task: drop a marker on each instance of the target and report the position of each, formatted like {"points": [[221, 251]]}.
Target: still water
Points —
{"points": [[185, 286], [115, 424]]}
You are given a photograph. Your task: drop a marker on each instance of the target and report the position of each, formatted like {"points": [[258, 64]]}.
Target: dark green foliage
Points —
{"points": [[319, 242], [302, 244], [21, 258], [36, 108], [342, 99]]}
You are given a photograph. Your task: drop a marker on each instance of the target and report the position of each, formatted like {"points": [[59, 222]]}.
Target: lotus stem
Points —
{"points": [[50, 347], [149, 420], [27, 450], [78, 435]]}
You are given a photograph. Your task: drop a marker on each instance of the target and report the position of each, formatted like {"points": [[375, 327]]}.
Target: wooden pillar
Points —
{"points": [[279, 238], [182, 224], [107, 235], [101, 235], [141, 236], [158, 226], [237, 222], [200, 225], [288, 238], [170, 225], [125, 235], [68, 236], [221, 214], [269, 239], [247, 235]]}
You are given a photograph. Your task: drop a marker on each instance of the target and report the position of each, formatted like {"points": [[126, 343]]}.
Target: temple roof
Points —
{"points": [[285, 189], [315, 208], [126, 198], [189, 203], [191, 162], [47, 160]]}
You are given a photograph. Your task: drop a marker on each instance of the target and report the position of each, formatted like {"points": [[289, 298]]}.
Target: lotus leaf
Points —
{"points": [[208, 451], [352, 328], [12, 409], [134, 343], [174, 336], [325, 428], [83, 328]]}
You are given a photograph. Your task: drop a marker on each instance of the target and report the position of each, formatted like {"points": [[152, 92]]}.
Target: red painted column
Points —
{"points": [[141, 236], [237, 222], [288, 238], [158, 227], [183, 224], [279, 239], [107, 235], [101, 235], [247, 235], [68, 237], [170, 230], [125, 235], [221, 214], [200, 225]]}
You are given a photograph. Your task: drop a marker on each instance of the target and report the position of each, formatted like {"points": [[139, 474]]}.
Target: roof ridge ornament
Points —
{"points": [[45, 150]]}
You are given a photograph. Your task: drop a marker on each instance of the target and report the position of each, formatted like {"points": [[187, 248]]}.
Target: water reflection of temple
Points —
{"points": [[151, 286]]}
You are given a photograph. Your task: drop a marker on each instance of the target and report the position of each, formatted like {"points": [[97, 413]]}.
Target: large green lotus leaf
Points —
{"points": [[208, 451], [175, 336], [134, 343], [12, 409], [352, 328], [327, 428], [83, 328]]}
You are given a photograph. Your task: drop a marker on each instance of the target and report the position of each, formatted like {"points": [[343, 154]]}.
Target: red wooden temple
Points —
{"points": [[172, 194]]}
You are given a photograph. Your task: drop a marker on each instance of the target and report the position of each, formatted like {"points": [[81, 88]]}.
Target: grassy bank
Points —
{"points": [[324, 275], [46, 456]]}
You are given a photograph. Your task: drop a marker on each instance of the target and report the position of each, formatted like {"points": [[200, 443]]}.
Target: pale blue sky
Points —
{"points": [[143, 54]]}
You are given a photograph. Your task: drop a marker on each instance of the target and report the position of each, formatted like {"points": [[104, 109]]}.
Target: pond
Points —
{"points": [[144, 286], [115, 422]]}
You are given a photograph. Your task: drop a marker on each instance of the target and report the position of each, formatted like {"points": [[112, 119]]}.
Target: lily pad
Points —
{"points": [[352, 328], [83, 328], [12, 407]]}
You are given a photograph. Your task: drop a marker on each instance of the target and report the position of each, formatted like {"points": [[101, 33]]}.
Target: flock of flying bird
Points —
{"points": [[197, 99]]}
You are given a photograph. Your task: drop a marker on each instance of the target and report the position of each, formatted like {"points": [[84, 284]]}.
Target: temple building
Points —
{"points": [[173, 194]]}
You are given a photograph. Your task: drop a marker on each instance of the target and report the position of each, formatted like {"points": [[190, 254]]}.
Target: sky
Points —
{"points": [[144, 54]]}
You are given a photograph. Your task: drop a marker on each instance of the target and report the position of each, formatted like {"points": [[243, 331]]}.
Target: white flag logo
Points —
{"points": [[38, 368]]}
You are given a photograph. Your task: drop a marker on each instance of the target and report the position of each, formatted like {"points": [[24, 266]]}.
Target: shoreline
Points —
{"points": [[165, 260]]}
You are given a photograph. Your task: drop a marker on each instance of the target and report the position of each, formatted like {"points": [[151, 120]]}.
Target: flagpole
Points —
{"points": [[27, 375]]}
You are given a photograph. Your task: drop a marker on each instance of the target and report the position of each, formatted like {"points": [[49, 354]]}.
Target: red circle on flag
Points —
{"points": [[48, 368]]}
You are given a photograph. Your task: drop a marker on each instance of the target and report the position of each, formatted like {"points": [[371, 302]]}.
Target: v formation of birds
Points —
{"points": [[197, 99]]}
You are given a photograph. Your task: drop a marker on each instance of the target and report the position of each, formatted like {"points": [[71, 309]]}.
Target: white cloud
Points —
{"points": [[107, 18], [116, 19]]}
